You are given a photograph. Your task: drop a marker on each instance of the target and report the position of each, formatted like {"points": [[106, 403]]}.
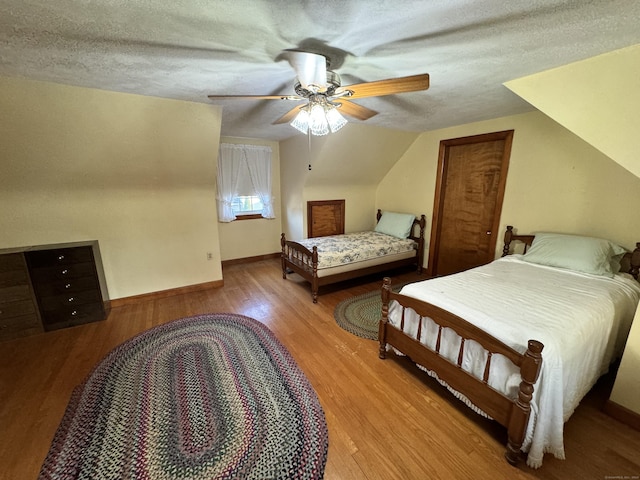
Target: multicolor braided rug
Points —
{"points": [[360, 315], [205, 397]]}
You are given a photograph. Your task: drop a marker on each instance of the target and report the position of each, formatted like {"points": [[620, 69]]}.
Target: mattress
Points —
{"points": [[352, 250]]}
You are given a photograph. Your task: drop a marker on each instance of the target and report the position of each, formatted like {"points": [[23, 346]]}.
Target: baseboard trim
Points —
{"points": [[147, 297], [257, 258], [623, 414]]}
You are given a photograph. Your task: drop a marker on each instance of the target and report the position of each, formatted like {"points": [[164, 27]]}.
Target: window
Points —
{"points": [[246, 204], [244, 182]]}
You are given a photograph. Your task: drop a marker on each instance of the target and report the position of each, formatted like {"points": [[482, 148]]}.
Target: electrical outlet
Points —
{"points": [[209, 256]]}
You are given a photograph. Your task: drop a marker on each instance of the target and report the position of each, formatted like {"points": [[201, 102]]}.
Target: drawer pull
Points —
{"points": [[74, 313], [1, 312], [71, 299], [68, 285], [65, 271], [60, 257]]}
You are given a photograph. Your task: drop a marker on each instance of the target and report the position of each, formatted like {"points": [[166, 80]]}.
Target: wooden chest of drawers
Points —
{"points": [[50, 287]]}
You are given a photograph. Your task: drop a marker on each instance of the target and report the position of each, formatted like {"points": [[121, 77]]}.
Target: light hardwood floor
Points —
{"points": [[386, 419]]}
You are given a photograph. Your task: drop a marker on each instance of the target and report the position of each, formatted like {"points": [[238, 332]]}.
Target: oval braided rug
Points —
{"points": [[360, 315], [206, 397]]}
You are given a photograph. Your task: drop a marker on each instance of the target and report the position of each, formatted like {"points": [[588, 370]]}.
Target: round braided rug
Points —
{"points": [[360, 315], [205, 397]]}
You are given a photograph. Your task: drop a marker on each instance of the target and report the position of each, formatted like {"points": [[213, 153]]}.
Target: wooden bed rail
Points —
{"points": [[511, 413]]}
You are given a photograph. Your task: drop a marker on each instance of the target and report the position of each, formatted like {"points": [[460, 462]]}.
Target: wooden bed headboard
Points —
{"points": [[630, 262], [509, 237]]}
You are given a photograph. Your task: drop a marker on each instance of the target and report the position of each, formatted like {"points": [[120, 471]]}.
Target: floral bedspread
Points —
{"points": [[337, 250]]}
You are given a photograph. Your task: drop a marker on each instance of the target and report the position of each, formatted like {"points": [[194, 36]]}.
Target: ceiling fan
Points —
{"points": [[326, 99]]}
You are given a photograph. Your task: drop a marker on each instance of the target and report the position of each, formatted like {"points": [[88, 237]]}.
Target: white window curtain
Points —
{"points": [[259, 164], [231, 160]]}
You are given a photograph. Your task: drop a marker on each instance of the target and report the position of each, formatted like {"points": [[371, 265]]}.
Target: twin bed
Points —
{"points": [[396, 241], [483, 333]]}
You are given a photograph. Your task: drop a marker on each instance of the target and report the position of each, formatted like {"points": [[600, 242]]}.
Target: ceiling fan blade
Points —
{"points": [[310, 68], [255, 97], [390, 86], [354, 110], [290, 115]]}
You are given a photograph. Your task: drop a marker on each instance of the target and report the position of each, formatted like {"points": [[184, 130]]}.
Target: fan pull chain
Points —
{"points": [[309, 136]]}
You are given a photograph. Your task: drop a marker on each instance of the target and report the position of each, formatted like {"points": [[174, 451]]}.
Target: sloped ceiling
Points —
{"points": [[186, 50], [597, 99]]}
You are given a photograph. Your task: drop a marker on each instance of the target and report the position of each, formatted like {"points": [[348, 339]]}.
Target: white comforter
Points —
{"points": [[581, 319]]}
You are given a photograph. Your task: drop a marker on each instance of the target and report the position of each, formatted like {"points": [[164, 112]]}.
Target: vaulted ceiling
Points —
{"points": [[190, 49]]}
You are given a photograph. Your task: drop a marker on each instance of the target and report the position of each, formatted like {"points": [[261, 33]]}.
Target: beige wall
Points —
{"points": [[255, 237], [556, 181], [293, 173], [598, 99], [359, 201], [346, 165], [136, 173]]}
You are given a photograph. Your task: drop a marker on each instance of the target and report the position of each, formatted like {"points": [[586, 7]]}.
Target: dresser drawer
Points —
{"points": [[11, 261], [48, 304], [13, 270], [59, 256], [19, 326], [15, 293], [69, 316], [10, 278], [15, 309], [61, 273], [67, 286]]}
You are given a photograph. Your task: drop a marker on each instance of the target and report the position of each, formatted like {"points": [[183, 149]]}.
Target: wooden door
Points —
{"points": [[325, 217], [472, 173]]}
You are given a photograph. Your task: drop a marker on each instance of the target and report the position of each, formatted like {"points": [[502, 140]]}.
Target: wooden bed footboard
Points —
{"points": [[299, 259], [509, 412]]}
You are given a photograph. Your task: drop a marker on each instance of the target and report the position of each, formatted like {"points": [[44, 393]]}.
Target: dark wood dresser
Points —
{"points": [[48, 287]]}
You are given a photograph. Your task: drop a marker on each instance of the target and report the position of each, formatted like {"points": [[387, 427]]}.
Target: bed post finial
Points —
{"points": [[507, 240], [529, 371], [382, 326]]}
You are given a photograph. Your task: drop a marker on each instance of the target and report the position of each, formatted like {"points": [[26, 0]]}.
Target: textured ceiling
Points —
{"points": [[189, 49]]}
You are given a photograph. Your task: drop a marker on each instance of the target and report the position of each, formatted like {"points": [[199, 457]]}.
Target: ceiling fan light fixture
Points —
{"points": [[301, 121], [335, 119], [318, 123], [318, 117]]}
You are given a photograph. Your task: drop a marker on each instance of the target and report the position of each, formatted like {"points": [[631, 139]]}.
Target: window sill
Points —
{"points": [[251, 216]]}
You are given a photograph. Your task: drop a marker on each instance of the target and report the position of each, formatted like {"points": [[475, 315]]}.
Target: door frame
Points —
{"points": [[443, 156]]}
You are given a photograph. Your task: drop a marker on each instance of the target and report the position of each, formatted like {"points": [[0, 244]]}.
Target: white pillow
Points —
{"points": [[395, 224], [574, 252]]}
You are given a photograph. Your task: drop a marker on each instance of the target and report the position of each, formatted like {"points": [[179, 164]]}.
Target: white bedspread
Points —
{"points": [[582, 320]]}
